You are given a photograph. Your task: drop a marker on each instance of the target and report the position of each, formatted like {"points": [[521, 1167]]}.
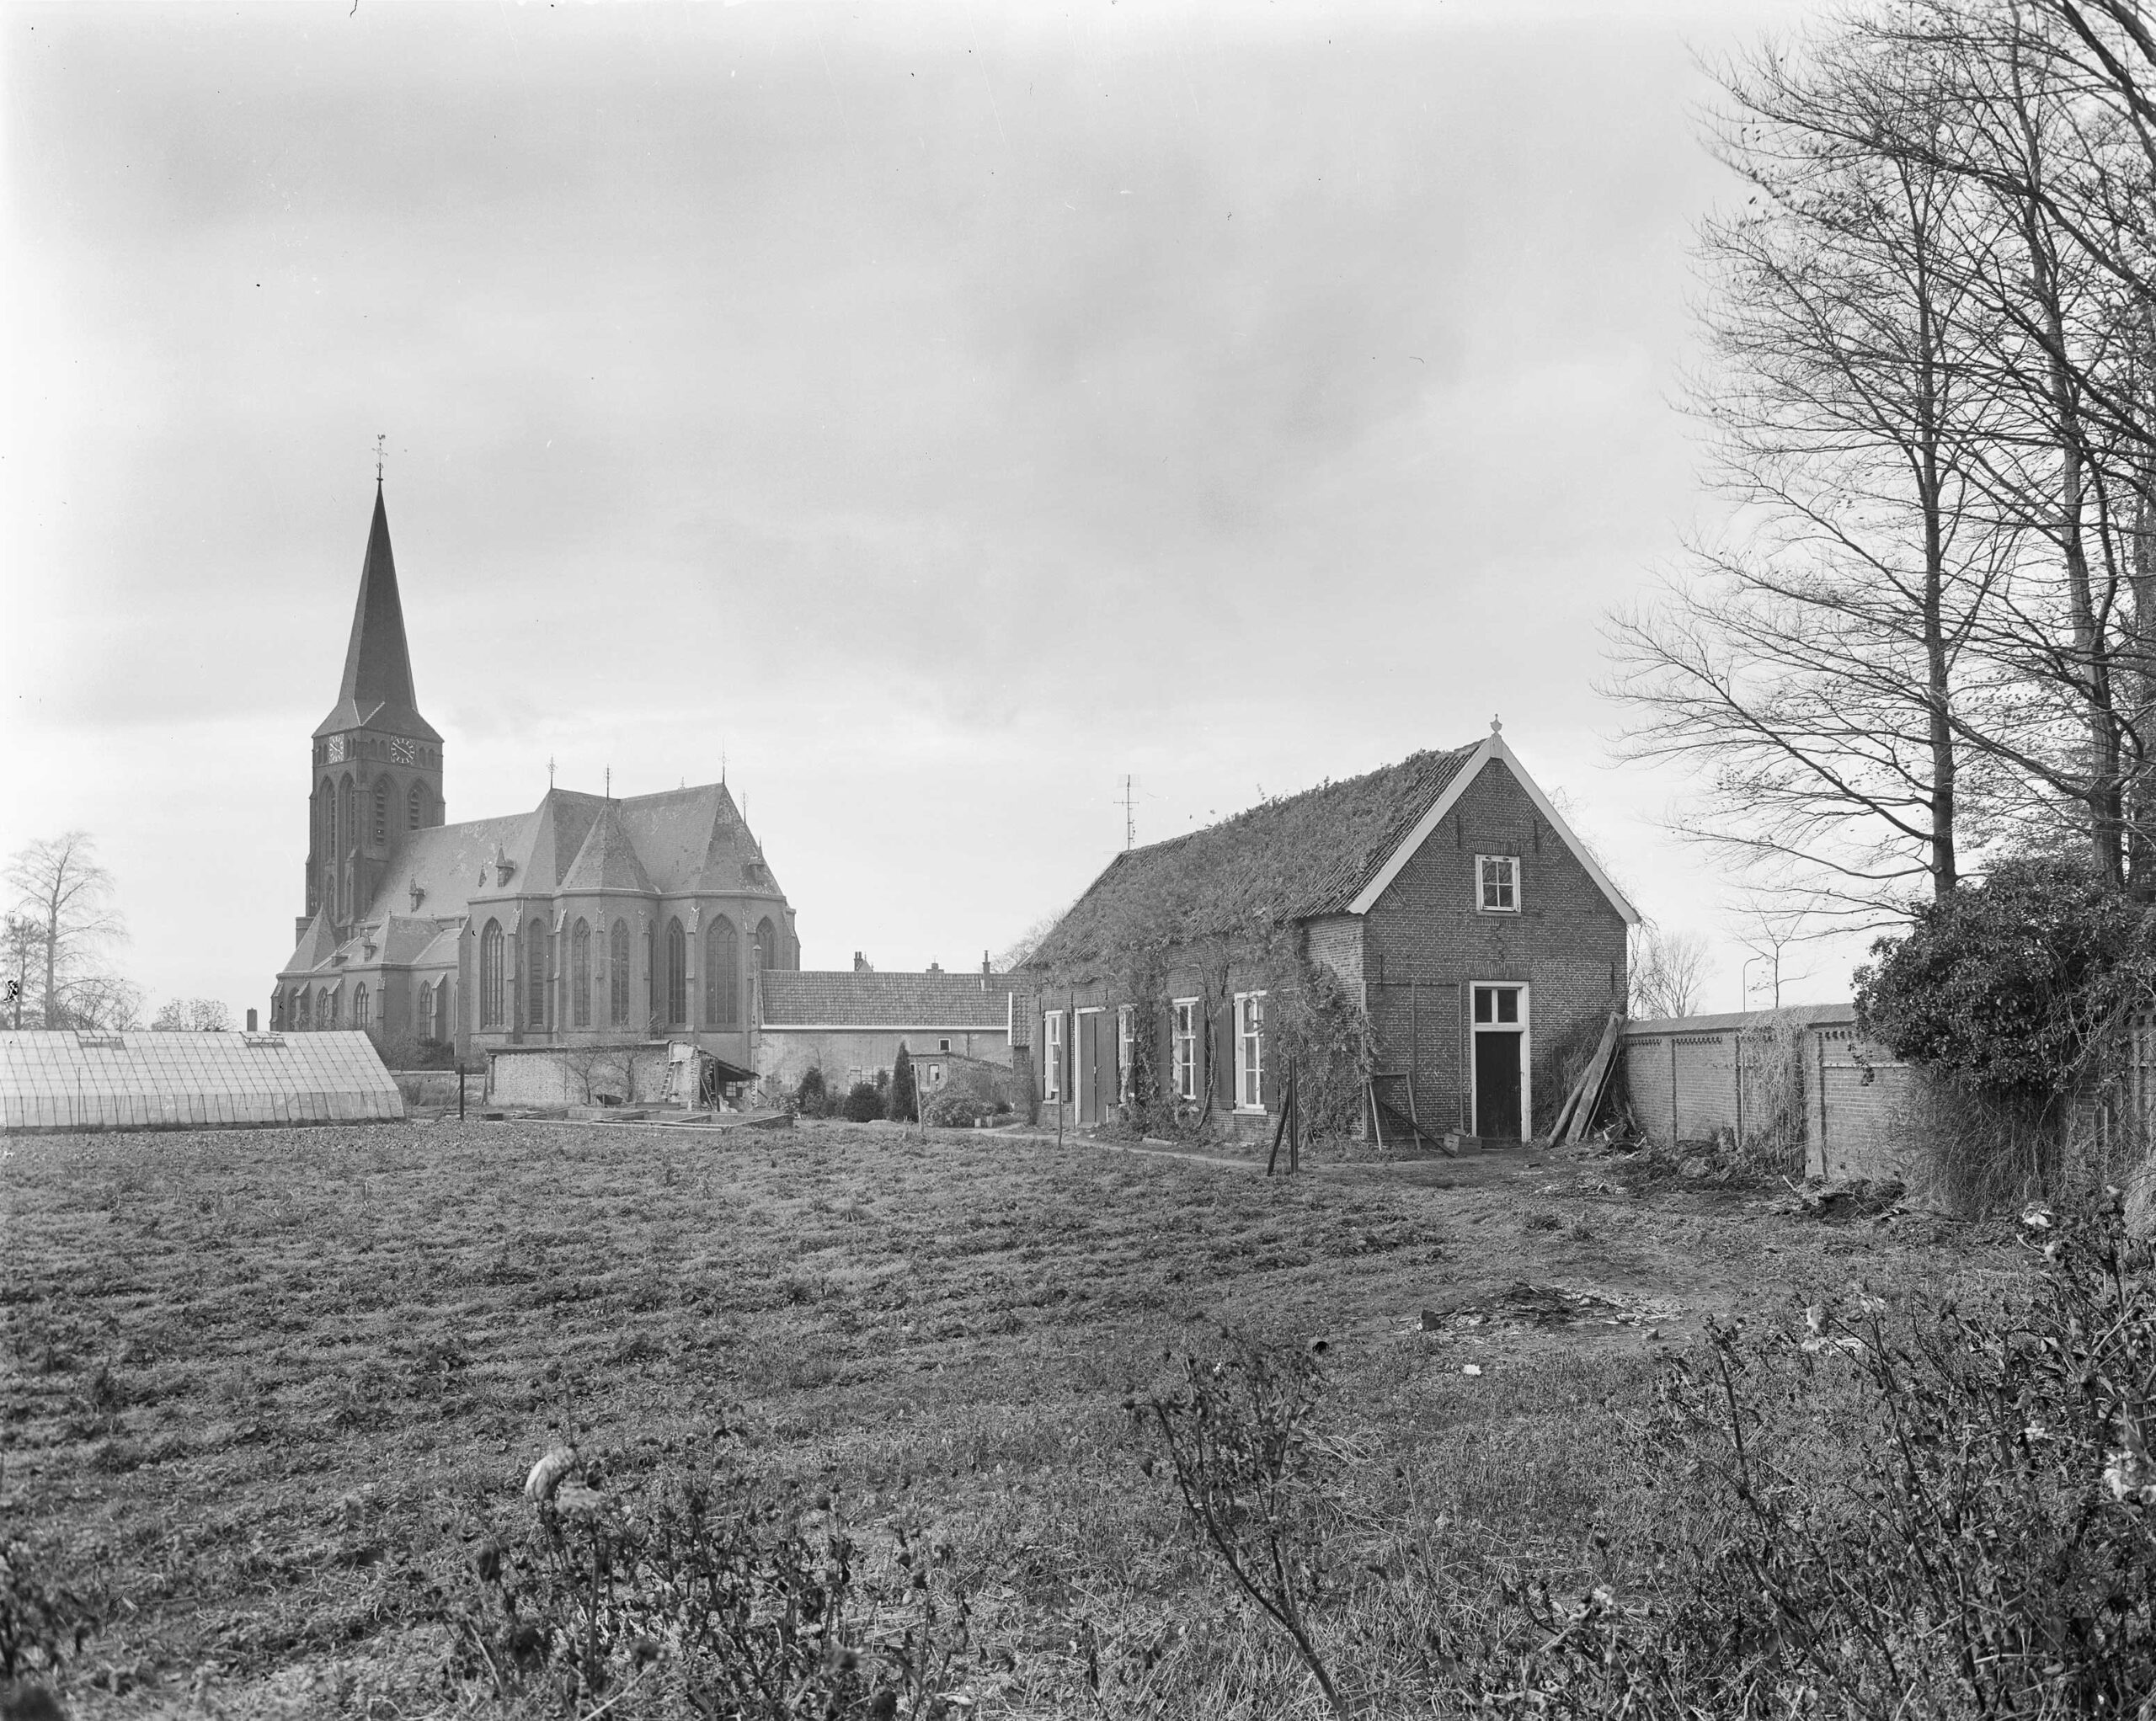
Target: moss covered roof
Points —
{"points": [[1282, 860]]}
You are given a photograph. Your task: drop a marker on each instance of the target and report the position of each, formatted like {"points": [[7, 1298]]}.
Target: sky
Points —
{"points": [[931, 415]]}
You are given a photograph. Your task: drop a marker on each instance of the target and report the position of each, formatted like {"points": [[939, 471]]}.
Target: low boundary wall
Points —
{"points": [[1798, 1089]]}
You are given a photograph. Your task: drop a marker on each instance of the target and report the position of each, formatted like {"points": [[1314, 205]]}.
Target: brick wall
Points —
{"points": [[1425, 942], [1798, 1089], [785, 1055], [547, 1076]]}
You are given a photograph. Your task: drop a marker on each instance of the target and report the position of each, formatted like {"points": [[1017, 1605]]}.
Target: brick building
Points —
{"points": [[588, 919], [850, 1024], [1445, 892]]}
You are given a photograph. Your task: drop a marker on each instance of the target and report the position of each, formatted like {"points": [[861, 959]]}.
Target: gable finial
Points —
{"points": [[1497, 725], [549, 773], [610, 782], [380, 456]]}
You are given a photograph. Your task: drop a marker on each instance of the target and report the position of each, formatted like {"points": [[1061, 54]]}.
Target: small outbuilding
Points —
{"points": [[72, 1079]]}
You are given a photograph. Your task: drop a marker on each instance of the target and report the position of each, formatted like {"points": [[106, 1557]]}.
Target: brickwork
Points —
{"points": [[1798, 1090], [785, 1055], [108, 1081], [1426, 941], [548, 1076]]}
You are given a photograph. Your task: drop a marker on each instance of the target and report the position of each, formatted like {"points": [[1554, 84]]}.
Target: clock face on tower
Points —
{"points": [[404, 752], [336, 748]]}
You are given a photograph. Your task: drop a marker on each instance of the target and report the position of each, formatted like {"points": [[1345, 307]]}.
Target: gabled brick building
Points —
{"points": [[850, 1024], [1445, 892]]}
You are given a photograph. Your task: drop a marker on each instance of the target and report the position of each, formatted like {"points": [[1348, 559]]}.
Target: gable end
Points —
{"points": [[1493, 747]]}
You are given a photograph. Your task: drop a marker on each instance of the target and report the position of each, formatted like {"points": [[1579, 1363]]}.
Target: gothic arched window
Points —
{"points": [[328, 1006], [535, 968], [618, 976], [491, 997], [381, 809], [766, 943], [427, 1012], [415, 808], [722, 975], [677, 974], [348, 816], [298, 1012], [580, 973], [360, 1006]]}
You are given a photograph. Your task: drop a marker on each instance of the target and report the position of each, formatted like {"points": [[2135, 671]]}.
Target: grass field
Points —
{"points": [[263, 1387]]}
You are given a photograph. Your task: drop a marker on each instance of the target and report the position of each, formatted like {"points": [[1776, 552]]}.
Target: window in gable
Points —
{"points": [[1498, 876]]}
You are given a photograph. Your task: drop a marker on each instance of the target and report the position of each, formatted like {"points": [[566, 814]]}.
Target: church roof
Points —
{"points": [[318, 944], [607, 862], [694, 839], [681, 842], [377, 691]]}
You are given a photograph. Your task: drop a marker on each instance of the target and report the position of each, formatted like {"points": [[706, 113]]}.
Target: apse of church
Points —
{"points": [[590, 920]]}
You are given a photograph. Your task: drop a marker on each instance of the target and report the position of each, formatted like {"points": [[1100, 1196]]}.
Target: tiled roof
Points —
{"points": [[607, 862], [1303, 854], [680, 841], [845, 998]]}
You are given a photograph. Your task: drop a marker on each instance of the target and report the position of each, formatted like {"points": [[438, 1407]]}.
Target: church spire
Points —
{"points": [[377, 691]]}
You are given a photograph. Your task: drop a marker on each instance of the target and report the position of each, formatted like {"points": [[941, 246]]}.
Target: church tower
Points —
{"points": [[375, 775]]}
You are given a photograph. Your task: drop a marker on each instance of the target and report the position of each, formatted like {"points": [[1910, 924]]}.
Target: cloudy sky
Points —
{"points": [[940, 412]]}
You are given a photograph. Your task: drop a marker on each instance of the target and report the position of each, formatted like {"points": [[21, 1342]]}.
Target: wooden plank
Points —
{"points": [[1594, 1081]]}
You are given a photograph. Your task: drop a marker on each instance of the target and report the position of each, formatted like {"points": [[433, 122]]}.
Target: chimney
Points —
{"points": [[985, 971], [935, 968], [250, 1022], [859, 963]]}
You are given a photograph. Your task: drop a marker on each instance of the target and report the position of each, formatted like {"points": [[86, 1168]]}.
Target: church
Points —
{"points": [[589, 920]]}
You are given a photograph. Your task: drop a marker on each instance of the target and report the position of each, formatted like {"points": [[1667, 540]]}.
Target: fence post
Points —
{"points": [[1673, 1091], [1822, 1043], [1736, 1062], [460, 1090]]}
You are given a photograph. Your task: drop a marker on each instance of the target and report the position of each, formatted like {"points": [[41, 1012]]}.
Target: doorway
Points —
{"points": [[1499, 1029]]}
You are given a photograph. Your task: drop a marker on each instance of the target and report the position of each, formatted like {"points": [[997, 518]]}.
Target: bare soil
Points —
{"points": [[261, 1389]]}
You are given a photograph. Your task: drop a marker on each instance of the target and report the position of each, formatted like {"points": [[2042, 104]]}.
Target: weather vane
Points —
{"points": [[550, 771], [379, 455]]}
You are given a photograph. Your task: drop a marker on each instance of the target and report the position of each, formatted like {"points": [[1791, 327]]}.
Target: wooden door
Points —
{"points": [[1089, 1067], [1497, 1084]]}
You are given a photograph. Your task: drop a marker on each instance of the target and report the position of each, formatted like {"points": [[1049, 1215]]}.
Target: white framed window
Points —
{"points": [[1182, 1048], [1249, 1051], [1126, 1020], [1497, 884], [1052, 1055], [1498, 1006]]}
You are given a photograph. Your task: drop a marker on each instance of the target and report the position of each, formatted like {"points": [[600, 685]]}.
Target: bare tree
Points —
{"points": [[193, 1016], [1817, 665], [23, 945], [102, 1000], [1668, 973], [67, 899], [1773, 928]]}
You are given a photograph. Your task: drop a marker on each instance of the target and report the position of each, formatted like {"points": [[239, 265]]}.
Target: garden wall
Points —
{"points": [[1795, 1089]]}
